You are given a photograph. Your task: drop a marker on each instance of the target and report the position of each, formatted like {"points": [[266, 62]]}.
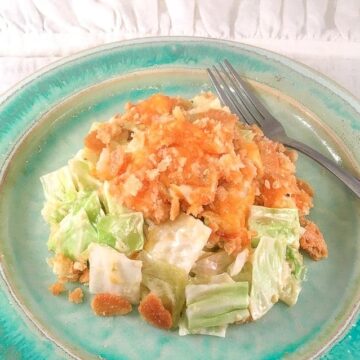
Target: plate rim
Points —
{"points": [[354, 101]]}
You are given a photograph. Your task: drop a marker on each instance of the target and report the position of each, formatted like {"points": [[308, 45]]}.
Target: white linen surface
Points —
{"points": [[324, 34]]}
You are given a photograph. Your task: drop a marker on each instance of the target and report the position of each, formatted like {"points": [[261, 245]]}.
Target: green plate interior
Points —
{"points": [[59, 106]]}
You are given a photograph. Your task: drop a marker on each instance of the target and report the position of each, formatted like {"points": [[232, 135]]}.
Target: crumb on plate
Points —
{"points": [[110, 305], [76, 296], [312, 241], [57, 288], [153, 311]]}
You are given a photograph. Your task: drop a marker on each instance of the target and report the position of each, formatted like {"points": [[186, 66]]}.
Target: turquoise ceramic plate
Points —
{"points": [[43, 122]]}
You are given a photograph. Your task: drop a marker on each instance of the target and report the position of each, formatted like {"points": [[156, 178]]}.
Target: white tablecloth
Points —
{"points": [[324, 34]]}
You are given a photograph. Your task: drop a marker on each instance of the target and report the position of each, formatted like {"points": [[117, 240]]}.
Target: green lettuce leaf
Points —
{"points": [[123, 232], [294, 275], [217, 304], [60, 193], [219, 331], [267, 275], [296, 262], [82, 173], [88, 201], [59, 186], [276, 223], [167, 282], [72, 235], [277, 266]]}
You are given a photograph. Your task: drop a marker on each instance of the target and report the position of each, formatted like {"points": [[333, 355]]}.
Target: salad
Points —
{"points": [[179, 209]]}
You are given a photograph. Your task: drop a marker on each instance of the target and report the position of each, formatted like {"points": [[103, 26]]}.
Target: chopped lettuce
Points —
{"points": [[212, 263], [82, 173], [268, 263], [291, 289], [123, 232], [210, 305], [214, 279], [277, 266], [167, 282], [246, 272], [60, 193], [276, 223], [296, 262], [74, 210], [59, 186], [219, 331], [295, 273], [112, 272], [240, 260], [178, 242], [72, 235], [89, 201]]}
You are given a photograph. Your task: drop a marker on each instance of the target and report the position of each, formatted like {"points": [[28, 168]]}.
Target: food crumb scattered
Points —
{"points": [[57, 288], [312, 241], [110, 305], [153, 311], [76, 296]]}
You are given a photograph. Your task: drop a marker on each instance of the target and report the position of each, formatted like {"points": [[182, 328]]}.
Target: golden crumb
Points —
{"points": [[57, 288], [312, 241], [63, 267], [76, 296], [110, 305], [153, 311]]}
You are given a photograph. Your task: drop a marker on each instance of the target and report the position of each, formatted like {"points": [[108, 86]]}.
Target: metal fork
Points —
{"points": [[236, 94]]}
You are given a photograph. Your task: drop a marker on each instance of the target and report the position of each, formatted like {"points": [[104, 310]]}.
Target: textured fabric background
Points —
{"points": [[324, 34]]}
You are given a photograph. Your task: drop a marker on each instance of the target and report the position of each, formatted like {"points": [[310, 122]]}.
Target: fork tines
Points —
{"points": [[234, 93]]}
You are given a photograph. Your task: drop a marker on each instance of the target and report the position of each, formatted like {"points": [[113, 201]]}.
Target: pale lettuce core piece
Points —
{"points": [[276, 262], [58, 185], [123, 232], [219, 331], [296, 263], [212, 263], [72, 235], [240, 260], [210, 305], [267, 275], [294, 274], [276, 223], [167, 281], [60, 193], [112, 272], [178, 242]]}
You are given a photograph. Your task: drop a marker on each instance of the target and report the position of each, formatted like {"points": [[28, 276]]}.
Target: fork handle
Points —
{"points": [[352, 182]]}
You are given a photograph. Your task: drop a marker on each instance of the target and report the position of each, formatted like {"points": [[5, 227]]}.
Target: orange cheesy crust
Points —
{"points": [[164, 156]]}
